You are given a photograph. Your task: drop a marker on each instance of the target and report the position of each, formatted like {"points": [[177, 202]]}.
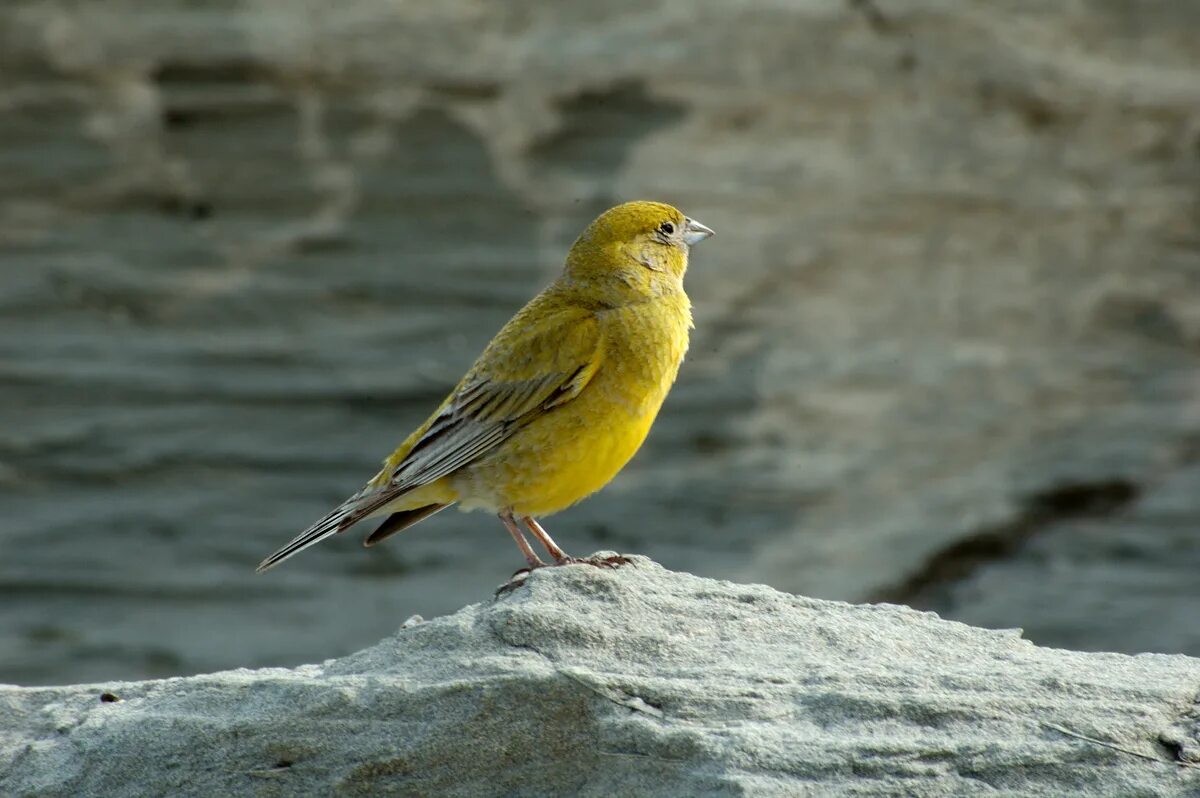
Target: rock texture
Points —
{"points": [[947, 334], [636, 681]]}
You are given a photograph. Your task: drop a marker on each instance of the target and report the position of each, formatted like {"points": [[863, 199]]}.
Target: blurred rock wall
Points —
{"points": [[948, 334]]}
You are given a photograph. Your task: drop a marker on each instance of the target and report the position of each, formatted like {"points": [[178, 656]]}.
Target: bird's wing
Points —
{"points": [[539, 361], [542, 358]]}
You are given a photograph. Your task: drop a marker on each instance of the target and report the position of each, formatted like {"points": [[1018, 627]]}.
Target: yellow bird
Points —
{"points": [[558, 402]]}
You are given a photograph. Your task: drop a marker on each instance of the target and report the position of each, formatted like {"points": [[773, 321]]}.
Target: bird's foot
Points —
{"points": [[522, 574], [611, 561], [516, 580]]}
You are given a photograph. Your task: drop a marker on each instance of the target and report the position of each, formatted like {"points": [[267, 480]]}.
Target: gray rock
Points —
{"points": [[635, 681]]}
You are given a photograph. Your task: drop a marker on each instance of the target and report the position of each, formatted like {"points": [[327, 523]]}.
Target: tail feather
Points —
{"points": [[402, 520], [346, 515]]}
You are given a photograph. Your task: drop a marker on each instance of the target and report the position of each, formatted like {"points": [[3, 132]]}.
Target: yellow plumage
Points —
{"points": [[560, 399]]}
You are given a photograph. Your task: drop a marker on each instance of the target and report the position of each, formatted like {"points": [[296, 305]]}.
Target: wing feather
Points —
{"points": [[541, 359], [492, 403]]}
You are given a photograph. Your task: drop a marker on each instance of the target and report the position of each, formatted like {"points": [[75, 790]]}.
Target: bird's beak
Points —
{"points": [[694, 232]]}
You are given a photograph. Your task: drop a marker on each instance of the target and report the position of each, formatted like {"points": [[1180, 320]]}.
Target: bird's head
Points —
{"points": [[634, 251]]}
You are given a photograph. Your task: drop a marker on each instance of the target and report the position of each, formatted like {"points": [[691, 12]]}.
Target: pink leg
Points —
{"points": [[560, 556], [523, 544]]}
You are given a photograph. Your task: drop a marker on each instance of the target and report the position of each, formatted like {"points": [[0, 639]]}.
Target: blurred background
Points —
{"points": [[948, 333]]}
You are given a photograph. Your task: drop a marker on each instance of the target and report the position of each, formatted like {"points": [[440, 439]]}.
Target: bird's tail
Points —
{"points": [[344, 516], [402, 520]]}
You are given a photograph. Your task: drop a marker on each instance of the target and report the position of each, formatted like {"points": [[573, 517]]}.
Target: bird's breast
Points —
{"points": [[575, 449], [644, 346]]}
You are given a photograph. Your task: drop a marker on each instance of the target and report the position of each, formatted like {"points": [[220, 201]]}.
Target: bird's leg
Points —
{"points": [[552, 548], [511, 525], [561, 557]]}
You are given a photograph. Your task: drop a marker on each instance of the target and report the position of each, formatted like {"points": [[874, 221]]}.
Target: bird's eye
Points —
{"points": [[666, 228]]}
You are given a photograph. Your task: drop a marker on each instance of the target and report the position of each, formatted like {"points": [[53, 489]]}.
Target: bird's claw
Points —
{"points": [[515, 581], [611, 561], [520, 575]]}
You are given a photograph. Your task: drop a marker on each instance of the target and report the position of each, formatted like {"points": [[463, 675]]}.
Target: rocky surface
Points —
{"points": [[947, 334], [635, 681]]}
